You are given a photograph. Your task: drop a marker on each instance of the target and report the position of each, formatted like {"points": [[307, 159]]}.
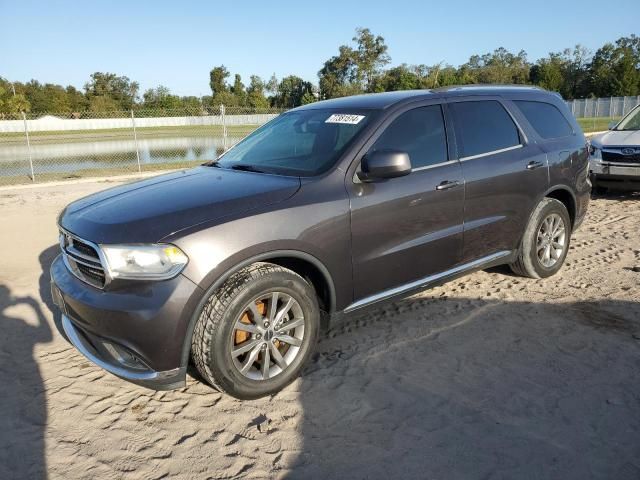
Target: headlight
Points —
{"points": [[595, 153], [144, 262]]}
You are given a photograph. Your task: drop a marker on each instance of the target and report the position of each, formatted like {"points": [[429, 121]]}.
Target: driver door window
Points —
{"points": [[420, 133]]}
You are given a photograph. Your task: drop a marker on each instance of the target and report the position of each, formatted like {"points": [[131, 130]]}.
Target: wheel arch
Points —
{"points": [[304, 264], [567, 198]]}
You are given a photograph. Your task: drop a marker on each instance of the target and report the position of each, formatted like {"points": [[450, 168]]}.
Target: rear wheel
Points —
{"points": [[256, 332], [545, 242]]}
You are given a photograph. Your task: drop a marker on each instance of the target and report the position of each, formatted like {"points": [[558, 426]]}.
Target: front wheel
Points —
{"points": [[545, 242], [256, 332]]}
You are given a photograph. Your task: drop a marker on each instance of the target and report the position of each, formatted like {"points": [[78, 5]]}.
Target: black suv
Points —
{"points": [[329, 208]]}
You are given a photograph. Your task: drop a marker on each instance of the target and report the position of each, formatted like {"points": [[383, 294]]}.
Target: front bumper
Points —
{"points": [[137, 333], [615, 176], [119, 362]]}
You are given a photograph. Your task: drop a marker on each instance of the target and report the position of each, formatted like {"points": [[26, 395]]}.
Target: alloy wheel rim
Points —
{"points": [[551, 240], [267, 336]]}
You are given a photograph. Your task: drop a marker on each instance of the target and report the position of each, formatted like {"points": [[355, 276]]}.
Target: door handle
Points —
{"points": [[533, 165], [447, 184]]}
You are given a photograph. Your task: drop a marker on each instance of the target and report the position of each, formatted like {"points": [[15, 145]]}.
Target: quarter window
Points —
{"points": [[420, 133], [483, 127], [545, 118]]}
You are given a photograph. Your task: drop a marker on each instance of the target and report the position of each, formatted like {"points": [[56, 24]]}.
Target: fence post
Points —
{"points": [[135, 140], [610, 103], [26, 133], [224, 128]]}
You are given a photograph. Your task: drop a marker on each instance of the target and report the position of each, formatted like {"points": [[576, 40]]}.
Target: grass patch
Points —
{"points": [[598, 124]]}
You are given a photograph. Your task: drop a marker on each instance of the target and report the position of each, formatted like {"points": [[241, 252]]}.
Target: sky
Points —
{"points": [[176, 43]]}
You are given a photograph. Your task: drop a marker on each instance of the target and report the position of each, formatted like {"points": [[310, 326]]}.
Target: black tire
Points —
{"points": [[528, 264], [212, 337]]}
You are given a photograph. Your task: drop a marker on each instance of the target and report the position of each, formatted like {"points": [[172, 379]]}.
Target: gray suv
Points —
{"points": [[330, 208]]}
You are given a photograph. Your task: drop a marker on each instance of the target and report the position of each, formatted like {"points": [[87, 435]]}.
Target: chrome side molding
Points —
{"points": [[426, 281]]}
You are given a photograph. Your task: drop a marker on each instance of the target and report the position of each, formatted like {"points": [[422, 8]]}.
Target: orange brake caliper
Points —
{"points": [[242, 336]]}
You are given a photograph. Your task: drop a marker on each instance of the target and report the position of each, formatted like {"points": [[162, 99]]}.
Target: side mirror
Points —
{"points": [[384, 164], [612, 125]]}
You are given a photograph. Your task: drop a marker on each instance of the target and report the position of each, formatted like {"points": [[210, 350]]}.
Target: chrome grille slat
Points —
{"points": [[83, 260], [90, 261]]}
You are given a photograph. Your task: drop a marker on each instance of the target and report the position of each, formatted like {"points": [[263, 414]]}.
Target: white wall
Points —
{"points": [[47, 124]]}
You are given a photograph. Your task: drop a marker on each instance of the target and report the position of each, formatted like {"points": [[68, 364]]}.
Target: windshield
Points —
{"points": [[301, 143], [631, 121]]}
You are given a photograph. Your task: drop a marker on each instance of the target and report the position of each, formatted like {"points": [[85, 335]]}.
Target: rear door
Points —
{"points": [[565, 148], [504, 173], [407, 228]]}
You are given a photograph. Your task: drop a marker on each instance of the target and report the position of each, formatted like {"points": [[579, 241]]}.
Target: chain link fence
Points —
{"points": [[47, 147], [595, 114]]}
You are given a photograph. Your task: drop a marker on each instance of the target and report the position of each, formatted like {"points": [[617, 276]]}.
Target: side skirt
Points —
{"points": [[498, 258]]}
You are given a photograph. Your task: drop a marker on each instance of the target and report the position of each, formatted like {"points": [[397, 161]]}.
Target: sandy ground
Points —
{"points": [[491, 376]]}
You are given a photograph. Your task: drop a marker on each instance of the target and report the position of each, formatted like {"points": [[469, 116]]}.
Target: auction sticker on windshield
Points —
{"points": [[344, 118]]}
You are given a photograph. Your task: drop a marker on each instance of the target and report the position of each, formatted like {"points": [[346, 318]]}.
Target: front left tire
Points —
{"points": [[256, 332]]}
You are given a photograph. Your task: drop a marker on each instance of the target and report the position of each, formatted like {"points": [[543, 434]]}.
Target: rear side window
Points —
{"points": [[419, 132], [545, 118], [483, 127]]}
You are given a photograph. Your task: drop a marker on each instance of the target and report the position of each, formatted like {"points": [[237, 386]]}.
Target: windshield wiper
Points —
{"points": [[246, 168], [212, 163]]}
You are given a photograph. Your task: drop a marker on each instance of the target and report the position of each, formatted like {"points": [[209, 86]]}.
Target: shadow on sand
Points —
{"points": [[475, 389], [23, 402]]}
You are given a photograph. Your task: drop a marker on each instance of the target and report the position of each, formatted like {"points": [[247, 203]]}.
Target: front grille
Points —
{"points": [[618, 157], [83, 259], [85, 249]]}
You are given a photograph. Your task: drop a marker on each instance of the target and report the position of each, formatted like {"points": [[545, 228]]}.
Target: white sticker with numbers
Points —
{"points": [[344, 118]]}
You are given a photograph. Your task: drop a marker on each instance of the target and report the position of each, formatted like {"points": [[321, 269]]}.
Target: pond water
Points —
{"points": [[75, 156]]}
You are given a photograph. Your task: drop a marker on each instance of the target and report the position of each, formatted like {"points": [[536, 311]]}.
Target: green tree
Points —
{"points": [[122, 92], [338, 75], [271, 87], [77, 100], [218, 80], [103, 103], [228, 99], [238, 90], [256, 93], [615, 68], [563, 72], [291, 91], [401, 77], [308, 98], [549, 73], [501, 67], [370, 57], [354, 69], [434, 76], [17, 103], [161, 98], [191, 103]]}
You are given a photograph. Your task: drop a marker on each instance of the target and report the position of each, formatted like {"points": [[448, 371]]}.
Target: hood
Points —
{"points": [[149, 210], [613, 138]]}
